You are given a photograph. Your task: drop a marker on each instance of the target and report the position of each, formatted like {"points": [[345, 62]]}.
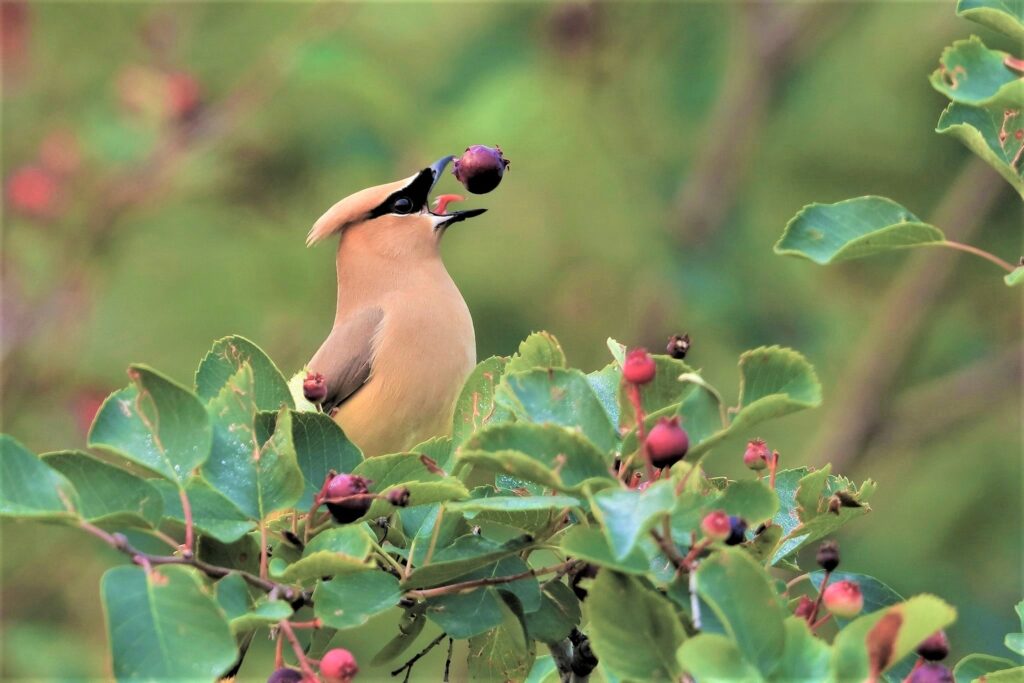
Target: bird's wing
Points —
{"points": [[345, 359]]}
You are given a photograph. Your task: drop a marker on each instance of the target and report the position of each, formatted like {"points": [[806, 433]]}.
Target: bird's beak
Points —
{"points": [[446, 218]]}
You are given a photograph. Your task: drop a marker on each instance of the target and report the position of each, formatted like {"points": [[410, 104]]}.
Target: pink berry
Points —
{"points": [[480, 168], [804, 608], [930, 673], [347, 498], [667, 443], [934, 647], [639, 367], [32, 190], [843, 599], [716, 525], [756, 456], [314, 388], [338, 666], [183, 95]]}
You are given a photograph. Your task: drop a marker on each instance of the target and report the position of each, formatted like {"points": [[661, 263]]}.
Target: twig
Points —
{"points": [[300, 654], [977, 252], [407, 667], [433, 538], [448, 659], [561, 653], [489, 581], [821, 595], [186, 510], [668, 547]]}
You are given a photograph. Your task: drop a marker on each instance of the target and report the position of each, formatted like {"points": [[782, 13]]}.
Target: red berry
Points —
{"points": [[934, 647], [346, 497], [183, 95], [480, 168], [314, 388], [804, 608], [32, 190], [716, 525], [843, 599], [639, 367], [756, 455], [338, 666], [930, 673], [667, 443]]}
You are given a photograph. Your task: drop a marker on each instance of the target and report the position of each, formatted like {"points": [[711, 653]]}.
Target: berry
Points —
{"points": [[398, 497], [804, 608], [828, 556], [737, 531], [314, 387], [480, 168], [678, 346], [338, 666], [639, 367], [588, 571], [716, 525], [934, 647], [183, 95], [285, 675], [667, 443], [347, 498], [32, 190], [930, 673], [843, 599], [756, 455]]}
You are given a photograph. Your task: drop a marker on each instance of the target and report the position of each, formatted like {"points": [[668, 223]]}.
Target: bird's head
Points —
{"points": [[393, 219]]}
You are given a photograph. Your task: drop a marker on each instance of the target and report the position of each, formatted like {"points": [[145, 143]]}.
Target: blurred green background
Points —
{"points": [[163, 164]]}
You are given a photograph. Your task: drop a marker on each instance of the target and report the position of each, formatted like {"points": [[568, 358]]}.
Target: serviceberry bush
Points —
{"points": [[566, 528]]}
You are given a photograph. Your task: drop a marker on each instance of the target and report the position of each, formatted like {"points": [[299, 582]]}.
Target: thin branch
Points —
{"points": [[300, 654], [867, 384], [407, 667], [489, 581], [977, 252]]}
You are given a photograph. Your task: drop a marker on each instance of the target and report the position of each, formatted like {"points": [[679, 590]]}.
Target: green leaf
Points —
{"points": [[1015, 641], [1015, 278], [504, 653], [165, 625], [590, 544], [744, 599], [155, 423], [228, 355], [701, 411], [108, 496], [437, 448], [350, 600], [805, 658], [774, 381], [407, 470], [498, 503], [559, 613], [475, 407], [828, 233], [981, 667], [633, 631], [342, 550], [663, 391], [465, 555], [259, 475], [626, 514], [713, 658], [419, 526], [546, 454], [558, 396], [605, 384], [28, 488], [910, 622], [989, 134], [970, 73], [539, 350], [320, 446], [245, 614], [1005, 16], [467, 614], [212, 513], [750, 499], [409, 628]]}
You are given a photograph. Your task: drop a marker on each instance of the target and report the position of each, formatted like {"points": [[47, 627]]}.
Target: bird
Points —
{"points": [[402, 343]]}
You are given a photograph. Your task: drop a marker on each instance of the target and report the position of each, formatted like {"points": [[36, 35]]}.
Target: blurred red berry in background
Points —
{"points": [[33, 191]]}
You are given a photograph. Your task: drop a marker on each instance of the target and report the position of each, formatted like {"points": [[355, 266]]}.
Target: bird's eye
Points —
{"points": [[402, 205]]}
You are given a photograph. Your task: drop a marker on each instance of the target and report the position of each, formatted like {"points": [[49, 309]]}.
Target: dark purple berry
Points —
{"points": [[348, 498], [480, 168], [678, 346], [737, 531], [934, 647], [667, 443], [398, 497], [828, 556], [285, 675], [930, 673], [588, 571]]}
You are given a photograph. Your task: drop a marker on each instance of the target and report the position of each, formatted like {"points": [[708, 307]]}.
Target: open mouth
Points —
{"points": [[441, 202]]}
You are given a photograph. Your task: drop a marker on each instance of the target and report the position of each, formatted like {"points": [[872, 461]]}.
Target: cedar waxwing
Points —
{"points": [[402, 343]]}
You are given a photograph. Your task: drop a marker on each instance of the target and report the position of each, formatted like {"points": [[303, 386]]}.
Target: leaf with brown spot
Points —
{"points": [[881, 641]]}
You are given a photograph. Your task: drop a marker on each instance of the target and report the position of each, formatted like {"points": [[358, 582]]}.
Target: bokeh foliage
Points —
{"points": [[606, 112]]}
